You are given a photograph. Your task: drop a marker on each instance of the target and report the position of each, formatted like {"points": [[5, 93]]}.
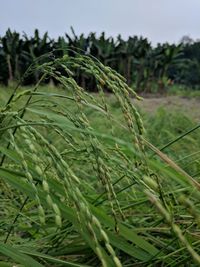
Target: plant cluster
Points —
{"points": [[74, 195]]}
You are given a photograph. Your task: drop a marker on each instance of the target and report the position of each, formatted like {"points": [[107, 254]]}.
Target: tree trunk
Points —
{"points": [[9, 69], [128, 74]]}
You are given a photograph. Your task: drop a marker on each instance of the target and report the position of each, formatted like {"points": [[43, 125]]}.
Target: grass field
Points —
{"points": [[88, 181]]}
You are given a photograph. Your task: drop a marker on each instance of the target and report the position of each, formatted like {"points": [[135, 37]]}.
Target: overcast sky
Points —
{"points": [[159, 20]]}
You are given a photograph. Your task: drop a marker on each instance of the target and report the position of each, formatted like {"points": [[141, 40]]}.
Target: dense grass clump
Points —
{"points": [[84, 183]]}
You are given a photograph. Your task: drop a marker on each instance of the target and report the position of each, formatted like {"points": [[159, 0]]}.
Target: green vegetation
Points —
{"points": [[146, 68], [87, 181]]}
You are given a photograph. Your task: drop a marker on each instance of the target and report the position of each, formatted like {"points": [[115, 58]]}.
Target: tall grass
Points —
{"points": [[79, 193]]}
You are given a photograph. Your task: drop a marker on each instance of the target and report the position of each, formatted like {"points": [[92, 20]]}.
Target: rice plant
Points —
{"points": [[77, 194]]}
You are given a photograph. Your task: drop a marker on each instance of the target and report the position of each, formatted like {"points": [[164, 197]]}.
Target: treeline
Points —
{"points": [[145, 67]]}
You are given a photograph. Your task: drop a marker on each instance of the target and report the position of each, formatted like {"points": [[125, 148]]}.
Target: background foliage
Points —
{"points": [[145, 68]]}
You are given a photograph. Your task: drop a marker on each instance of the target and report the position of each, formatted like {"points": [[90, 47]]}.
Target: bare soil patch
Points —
{"points": [[188, 106]]}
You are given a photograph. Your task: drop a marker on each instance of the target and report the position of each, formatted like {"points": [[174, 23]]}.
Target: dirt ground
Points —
{"points": [[189, 106]]}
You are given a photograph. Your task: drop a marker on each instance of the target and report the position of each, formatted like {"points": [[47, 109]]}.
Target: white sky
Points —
{"points": [[158, 20]]}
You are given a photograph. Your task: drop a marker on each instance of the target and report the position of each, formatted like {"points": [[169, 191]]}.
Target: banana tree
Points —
{"points": [[11, 48], [165, 56], [35, 47]]}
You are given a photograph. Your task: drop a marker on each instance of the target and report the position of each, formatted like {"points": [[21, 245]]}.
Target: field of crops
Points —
{"points": [[96, 179]]}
